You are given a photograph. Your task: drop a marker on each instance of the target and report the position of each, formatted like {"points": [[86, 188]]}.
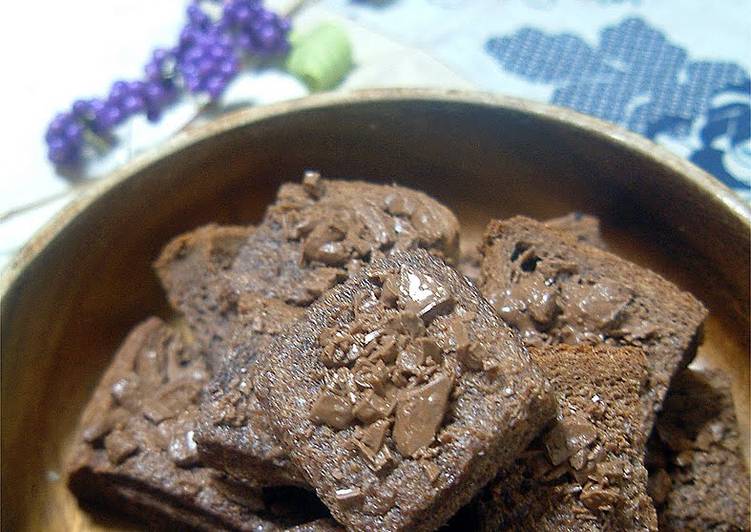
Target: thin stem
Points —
{"points": [[15, 211]]}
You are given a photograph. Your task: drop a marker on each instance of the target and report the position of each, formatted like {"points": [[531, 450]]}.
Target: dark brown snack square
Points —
{"points": [[586, 472], [698, 477], [313, 237], [555, 289], [193, 270], [134, 450], [401, 393]]}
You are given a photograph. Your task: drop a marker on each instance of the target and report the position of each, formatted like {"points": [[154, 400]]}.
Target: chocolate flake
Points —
{"points": [[388, 349], [566, 438], [312, 184], [594, 497], [125, 391], [410, 360], [419, 413], [331, 410], [349, 497], [390, 291], [431, 470], [424, 296], [120, 445], [182, 449], [371, 407], [430, 348], [170, 400], [411, 324], [373, 435]]}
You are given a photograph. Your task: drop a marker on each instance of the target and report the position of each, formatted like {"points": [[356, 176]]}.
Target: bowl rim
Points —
{"points": [[633, 142]]}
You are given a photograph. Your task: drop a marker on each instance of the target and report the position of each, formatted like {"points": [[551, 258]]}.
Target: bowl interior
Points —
{"points": [[88, 279]]}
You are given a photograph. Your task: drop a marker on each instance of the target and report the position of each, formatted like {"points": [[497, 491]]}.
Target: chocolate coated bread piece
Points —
{"points": [[192, 270], [555, 289], [698, 478], [401, 393], [586, 472], [314, 236], [134, 450]]}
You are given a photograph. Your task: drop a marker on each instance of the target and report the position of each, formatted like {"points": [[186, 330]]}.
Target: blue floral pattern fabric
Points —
{"points": [[637, 78]]}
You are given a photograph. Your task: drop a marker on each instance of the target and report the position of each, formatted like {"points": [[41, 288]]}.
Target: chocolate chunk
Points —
{"points": [[372, 407], [125, 391], [595, 497], [472, 355], [595, 306], [529, 303], [170, 400], [399, 205], [332, 410], [104, 422], [182, 449], [410, 360], [120, 445], [323, 279], [349, 497], [567, 437], [312, 184], [324, 244], [419, 413], [373, 435]]}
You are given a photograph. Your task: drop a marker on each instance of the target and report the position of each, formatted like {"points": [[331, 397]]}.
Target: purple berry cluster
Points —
{"points": [[256, 30], [209, 54]]}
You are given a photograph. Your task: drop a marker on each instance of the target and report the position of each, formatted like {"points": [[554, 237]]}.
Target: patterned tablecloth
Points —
{"points": [[675, 72]]}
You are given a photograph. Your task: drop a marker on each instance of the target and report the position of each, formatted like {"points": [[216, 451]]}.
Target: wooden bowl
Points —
{"points": [[72, 294]]}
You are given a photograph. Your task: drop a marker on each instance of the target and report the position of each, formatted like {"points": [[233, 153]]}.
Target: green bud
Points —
{"points": [[320, 58]]}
